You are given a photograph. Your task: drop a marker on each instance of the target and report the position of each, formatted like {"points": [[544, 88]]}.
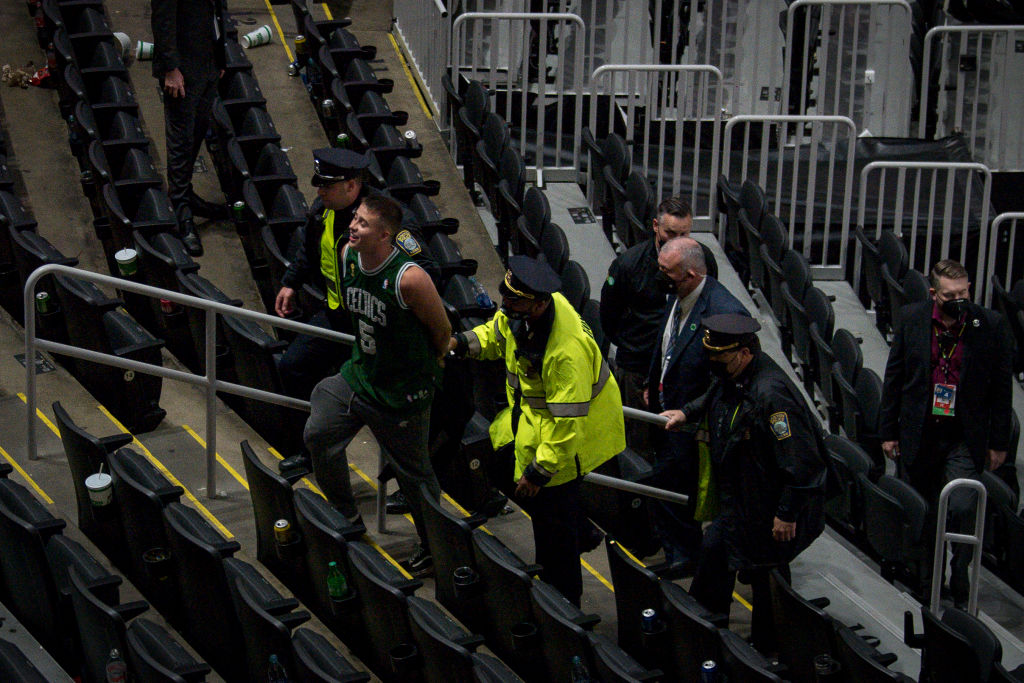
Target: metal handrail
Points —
{"points": [[209, 381], [942, 536], [1018, 220]]}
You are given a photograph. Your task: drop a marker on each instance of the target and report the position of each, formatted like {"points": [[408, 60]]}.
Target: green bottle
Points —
{"points": [[337, 586]]}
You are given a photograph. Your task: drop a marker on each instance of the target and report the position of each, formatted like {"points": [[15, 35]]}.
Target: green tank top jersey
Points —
{"points": [[392, 363]]}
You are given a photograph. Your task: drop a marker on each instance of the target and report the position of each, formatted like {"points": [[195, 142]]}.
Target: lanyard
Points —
{"points": [[944, 363]]}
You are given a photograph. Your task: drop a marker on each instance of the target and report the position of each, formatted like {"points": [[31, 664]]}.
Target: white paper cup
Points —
{"points": [[127, 261], [101, 489], [143, 51], [126, 43], [260, 36]]}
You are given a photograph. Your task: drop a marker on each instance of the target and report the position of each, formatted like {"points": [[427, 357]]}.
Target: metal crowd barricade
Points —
{"points": [[979, 91], [425, 29], [863, 62], [903, 208], [209, 381], [508, 53], [659, 103], [788, 151], [1013, 268], [942, 537]]}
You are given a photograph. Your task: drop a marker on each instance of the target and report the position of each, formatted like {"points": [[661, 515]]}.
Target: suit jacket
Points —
{"points": [[189, 35], [984, 395], [688, 375]]}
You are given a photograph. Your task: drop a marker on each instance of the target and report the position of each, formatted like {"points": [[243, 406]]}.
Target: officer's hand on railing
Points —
{"points": [[676, 420]]}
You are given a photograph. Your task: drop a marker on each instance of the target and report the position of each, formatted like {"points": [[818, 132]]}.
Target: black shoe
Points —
{"points": [[396, 504], [591, 538], [204, 209], [421, 563], [190, 238], [296, 462]]}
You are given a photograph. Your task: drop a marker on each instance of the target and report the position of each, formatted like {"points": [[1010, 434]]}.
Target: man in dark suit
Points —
{"points": [[947, 399], [188, 60], [679, 373]]}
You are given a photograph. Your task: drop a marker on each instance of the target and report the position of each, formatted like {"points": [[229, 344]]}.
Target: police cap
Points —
{"points": [[530, 279], [727, 331], [331, 165]]}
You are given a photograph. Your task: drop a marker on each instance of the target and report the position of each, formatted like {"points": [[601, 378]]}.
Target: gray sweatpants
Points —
{"points": [[336, 414]]}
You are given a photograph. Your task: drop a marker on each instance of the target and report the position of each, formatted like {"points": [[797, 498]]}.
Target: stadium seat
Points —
{"points": [[691, 631], [101, 627], [457, 582], [773, 236], [639, 207], [821, 320], [873, 291], [845, 510], [742, 663], [317, 661], [860, 416], [623, 516], [802, 628], [562, 628], [1003, 302], [155, 656], [371, 112], [554, 247], [142, 493], [106, 95], [487, 669], [859, 662], [916, 287], [445, 648], [405, 180], [16, 667], [794, 290], [251, 127], [1000, 509], [494, 139], [957, 647], [510, 190], [894, 526], [849, 359], [31, 251], [149, 211], [614, 664], [264, 634], [796, 276], [637, 588], [591, 314], [594, 152], [467, 121], [575, 285], [508, 625], [536, 215], [196, 285], [616, 169]]}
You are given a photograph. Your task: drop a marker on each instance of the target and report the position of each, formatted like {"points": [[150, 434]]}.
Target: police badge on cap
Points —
{"points": [[332, 165]]}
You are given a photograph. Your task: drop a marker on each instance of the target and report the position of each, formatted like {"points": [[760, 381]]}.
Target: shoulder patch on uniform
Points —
{"points": [[408, 243], [780, 425]]}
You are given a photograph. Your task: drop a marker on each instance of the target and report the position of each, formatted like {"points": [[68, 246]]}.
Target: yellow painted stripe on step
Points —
{"points": [[170, 477], [583, 563], [23, 473], [327, 12], [223, 463], [41, 415], [277, 25], [412, 81], [305, 480]]}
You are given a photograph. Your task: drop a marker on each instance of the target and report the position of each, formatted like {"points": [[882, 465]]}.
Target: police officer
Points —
{"points": [[768, 463], [564, 416]]}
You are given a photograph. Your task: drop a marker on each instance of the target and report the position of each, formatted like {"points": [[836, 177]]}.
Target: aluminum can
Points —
{"points": [[410, 136], [43, 302], [167, 306], [300, 47], [648, 620], [283, 531], [709, 672], [342, 141]]}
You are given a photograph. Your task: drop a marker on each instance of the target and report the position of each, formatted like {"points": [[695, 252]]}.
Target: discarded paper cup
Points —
{"points": [[260, 36], [100, 489], [143, 51], [127, 261], [126, 43]]}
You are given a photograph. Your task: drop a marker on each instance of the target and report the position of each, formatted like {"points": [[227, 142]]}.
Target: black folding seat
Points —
{"points": [[859, 661], [317, 661], [554, 247], [371, 112], [821, 320], [155, 656], [31, 250], [381, 593], [773, 279], [251, 127], [742, 663], [623, 516], [591, 314], [106, 94], [388, 144], [86, 454], [341, 49], [846, 508], [13, 217], [255, 354], [860, 414], [1000, 505], [448, 259], [444, 647], [894, 526], [404, 180], [240, 90], [196, 285], [637, 588], [536, 215], [794, 292], [467, 121], [96, 322], [235, 58], [16, 667], [849, 359], [142, 493], [101, 627], [796, 278], [346, 89], [595, 169], [508, 624], [494, 139], [802, 628], [303, 18], [463, 433], [272, 500], [916, 287], [265, 634], [691, 633], [326, 534], [959, 647], [873, 291], [895, 263], [563, 628], [279, 206], [60, 13], [510, 189], [575, 285], [729, 205], [1002, 301], [427, 216], [616, 168], [265, 164], [613, 664], [148, 211], [131, 173], [639, 207], [274, 246]]}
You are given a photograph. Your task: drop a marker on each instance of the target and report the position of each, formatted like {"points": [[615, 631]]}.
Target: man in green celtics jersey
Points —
{"points": [[402, 332]]}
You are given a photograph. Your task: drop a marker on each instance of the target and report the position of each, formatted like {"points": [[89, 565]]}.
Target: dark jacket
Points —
{"points": [[188, 35], [768, 459], [632, 305], [984, 400]]}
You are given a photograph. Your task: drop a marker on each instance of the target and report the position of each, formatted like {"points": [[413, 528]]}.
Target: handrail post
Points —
{"points": [[211, 403], [942, 536], [31, 443]]}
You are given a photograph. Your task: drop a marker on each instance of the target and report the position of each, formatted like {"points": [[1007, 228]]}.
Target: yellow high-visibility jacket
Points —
{"points": [[570, 409]]}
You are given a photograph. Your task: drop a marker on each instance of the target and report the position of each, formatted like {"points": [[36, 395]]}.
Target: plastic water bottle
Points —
{"points": [[337, 585], [579, 673], [483, 299], [117, 670], [276, 672]]}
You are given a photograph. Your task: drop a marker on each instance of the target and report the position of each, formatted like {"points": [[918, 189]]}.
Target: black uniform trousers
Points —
{"points": [[309, 359], [186, 120], [557, 514]]}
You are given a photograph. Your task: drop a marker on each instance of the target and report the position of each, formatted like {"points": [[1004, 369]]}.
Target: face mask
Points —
{"points": [[665, 283], [514, 315], [720, 369], [954, 308]]}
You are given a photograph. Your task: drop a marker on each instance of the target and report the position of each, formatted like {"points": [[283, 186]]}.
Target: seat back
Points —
{"points": [[802, 630], [691, 635], [264, 634], [871, 272], [949, 655], [624, 516], [848, 460], [613, 664], [156, 657], [554, 247], [869, 404], [916, 287], [575, 285], [272, 500], [562, 628], [858, 661], [742, 663], [893, 254], [101, 627], [983, 641], [636, 589], [317, 661], [894, 515], [821, 324], [451, 544], [442, 644]]}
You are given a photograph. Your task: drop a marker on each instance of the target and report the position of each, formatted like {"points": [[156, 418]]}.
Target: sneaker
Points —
{"points": [[421, 563], [396, 504]]}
